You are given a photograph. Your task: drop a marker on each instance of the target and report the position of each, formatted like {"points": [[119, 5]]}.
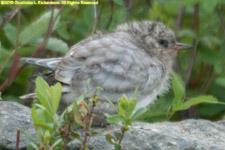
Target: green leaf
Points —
{"points": [[98, 88], [63, 32], [139, 113], [123, 104], [37, 28], [178, 85], [110, 102], [117, 134], [191, 2], [131, 104], [44, 125], [53, 44], [80, 98], [43, 113], [33, 146], [109, 138], [55, 96], [47, 137], [181, 107], [40, 135], [202, 99], [220, 81], [114, 119], [156, 114], [28, 136], [209, 56], [76, 107], [210, 41], [34, 115], [42, 91], [10, 32], [119, 2], [197, 100], [178, 90], [187, 33], [218, 67], [68, 109], [96, 131], [88, 83], [117, 147], [210, 5], [76, 135], [57, 142], [209, 110]]}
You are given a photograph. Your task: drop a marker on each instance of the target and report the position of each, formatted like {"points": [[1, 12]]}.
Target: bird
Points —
{"points": [[138, 54]]}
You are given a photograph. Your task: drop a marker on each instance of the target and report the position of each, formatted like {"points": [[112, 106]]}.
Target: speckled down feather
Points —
{"points": [[118, 62]]}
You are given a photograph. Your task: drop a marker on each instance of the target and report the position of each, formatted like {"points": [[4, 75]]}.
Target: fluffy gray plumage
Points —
{"points": [[138, 54]]}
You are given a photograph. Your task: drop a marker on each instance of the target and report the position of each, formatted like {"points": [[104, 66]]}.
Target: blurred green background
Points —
{"points": [[197, 22]]}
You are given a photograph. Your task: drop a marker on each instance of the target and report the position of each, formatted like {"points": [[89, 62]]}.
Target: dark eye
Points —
{"points": [[164, 43]]}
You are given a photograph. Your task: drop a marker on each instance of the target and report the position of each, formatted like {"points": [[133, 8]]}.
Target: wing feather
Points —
{"points": [[111, 61]]}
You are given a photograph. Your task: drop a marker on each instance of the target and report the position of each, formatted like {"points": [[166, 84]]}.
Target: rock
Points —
{"points": [[184, 135], [12, 117]]}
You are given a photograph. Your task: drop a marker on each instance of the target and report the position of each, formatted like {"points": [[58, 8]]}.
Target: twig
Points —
{"points": [[15, 69], [191, 64], [205, 86], [194, 83], [179, 21], [18, 139], [221, 19], [128, 4], [67, 132], [95, 19], [6, 60], [123, 130], [192, 110], [111, 4], [193, 54], [180, 18], [12, 72], [8, 17], [99, 15], [88, 123], [150, 3]]}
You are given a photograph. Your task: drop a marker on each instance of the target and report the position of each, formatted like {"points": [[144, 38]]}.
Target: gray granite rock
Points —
{"points": [[12, 117], [185, 135]]}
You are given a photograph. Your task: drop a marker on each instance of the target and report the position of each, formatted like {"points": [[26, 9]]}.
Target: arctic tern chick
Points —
{"points": [[138, 54]]}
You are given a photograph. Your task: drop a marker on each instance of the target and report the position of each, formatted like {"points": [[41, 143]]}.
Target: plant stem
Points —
{"points": [[123, 130], [88, 123], [18, 139]]}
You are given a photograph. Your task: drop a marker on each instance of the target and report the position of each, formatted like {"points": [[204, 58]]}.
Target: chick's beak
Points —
{"points": [[180, 46]]}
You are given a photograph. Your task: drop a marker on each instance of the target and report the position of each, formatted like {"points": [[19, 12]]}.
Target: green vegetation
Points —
{"points": [[40, 31], [125, 115], [55, 132]]}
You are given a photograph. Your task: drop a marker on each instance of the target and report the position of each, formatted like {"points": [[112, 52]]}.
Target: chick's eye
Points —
{"points": [[164, 43]]}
